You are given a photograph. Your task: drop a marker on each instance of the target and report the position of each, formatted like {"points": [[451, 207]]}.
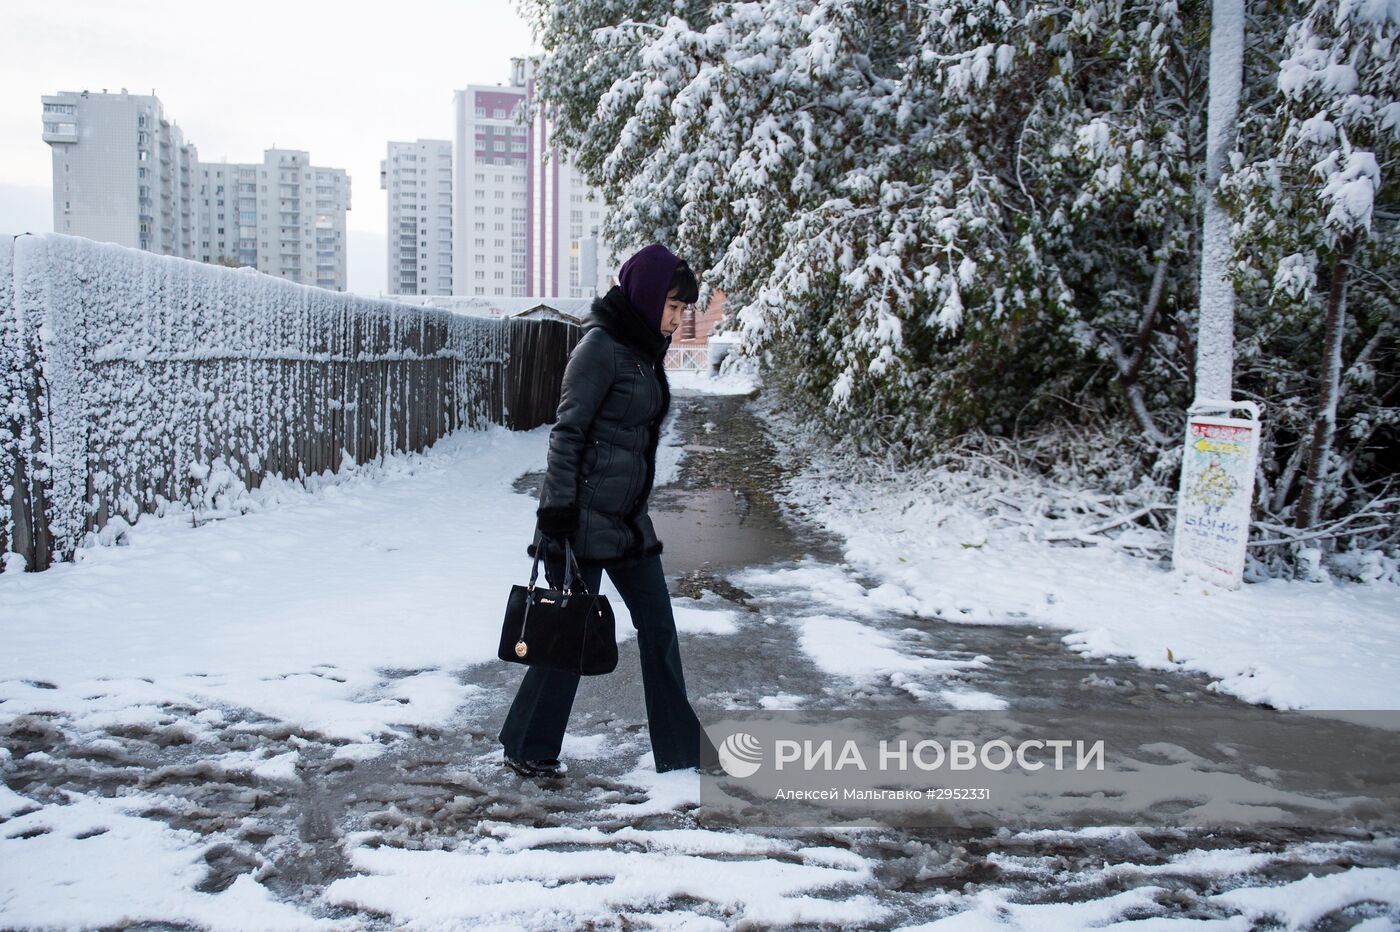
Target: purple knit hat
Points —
{"points": [[646, 278]]}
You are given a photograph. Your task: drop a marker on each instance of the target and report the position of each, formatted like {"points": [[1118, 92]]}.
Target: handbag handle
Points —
{"points": [[570, 562]]}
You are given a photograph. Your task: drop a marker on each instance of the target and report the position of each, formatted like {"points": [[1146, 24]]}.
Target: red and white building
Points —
{"points": [[518, 222]]}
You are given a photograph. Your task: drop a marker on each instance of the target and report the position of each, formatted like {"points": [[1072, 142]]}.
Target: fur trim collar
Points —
{"points": [[615, 314]]}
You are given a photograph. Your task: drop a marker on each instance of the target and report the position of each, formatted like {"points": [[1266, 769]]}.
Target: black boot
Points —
{"points": [[541, 767]]}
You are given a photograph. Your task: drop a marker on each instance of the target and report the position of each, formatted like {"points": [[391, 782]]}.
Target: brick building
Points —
{"points": [[690, 344]]}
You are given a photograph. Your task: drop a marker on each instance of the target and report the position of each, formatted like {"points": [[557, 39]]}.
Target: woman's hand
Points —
{"points": [[559, 522], [556, 525]]}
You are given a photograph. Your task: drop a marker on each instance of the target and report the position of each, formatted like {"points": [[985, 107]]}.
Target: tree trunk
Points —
{"points": [[1128, 367], [1325, 424]]}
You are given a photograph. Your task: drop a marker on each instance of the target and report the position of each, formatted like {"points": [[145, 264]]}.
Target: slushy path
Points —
{"points": [[287, 719]]}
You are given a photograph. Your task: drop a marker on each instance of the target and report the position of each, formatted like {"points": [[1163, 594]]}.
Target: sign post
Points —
{"points": [[1217, 491]]}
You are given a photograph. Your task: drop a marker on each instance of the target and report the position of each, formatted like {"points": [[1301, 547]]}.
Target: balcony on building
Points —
{"points": [[60, 131]]}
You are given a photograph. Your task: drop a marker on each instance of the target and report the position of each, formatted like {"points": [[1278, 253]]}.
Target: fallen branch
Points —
{"points": [[1327, 533], [1083, 533]]}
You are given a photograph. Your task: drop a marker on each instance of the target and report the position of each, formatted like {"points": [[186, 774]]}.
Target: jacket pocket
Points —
{"points": [[592, 473]]}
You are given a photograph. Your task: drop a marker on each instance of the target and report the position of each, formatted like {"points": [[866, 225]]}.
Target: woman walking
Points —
{"points": [[601, 464]]}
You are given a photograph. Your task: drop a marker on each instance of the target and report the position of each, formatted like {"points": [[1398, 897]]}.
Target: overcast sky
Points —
{"points": [[338, 78]]}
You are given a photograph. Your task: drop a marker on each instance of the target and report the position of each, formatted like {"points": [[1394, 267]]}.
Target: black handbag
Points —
{"points": [[559, 629]]}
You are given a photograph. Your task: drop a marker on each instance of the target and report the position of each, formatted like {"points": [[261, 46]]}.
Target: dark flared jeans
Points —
{"points": [[534, 726]]}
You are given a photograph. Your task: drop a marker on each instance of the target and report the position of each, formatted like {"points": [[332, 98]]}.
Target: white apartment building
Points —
{"points": [[283, 216], [418, 177], [122, 172], [518, 220]]}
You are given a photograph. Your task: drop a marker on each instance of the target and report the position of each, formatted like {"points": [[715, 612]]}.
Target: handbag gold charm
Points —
{"points": [[520, 648]]}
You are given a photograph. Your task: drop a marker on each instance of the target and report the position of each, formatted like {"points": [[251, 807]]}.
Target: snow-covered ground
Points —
{"points": [[284, 607], [1288, 643], [327, 623]]}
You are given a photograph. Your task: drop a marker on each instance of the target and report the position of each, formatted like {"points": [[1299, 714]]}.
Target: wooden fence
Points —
{"points": [[128, 378]]}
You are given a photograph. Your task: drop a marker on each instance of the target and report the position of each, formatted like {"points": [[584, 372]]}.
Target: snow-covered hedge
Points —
{"points": [[146, 377]]}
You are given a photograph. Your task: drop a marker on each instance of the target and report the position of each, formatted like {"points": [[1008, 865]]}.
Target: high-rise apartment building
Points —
{"points": [[122, 172], [418, 177], [564, 210], [489, 206], [518, 220], [283, 216]]}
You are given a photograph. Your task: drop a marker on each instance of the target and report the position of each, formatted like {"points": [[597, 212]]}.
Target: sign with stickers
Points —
{"points": [[1217, 492]]}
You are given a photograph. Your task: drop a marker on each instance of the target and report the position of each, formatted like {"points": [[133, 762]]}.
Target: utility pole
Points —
{"points": [[1216, 495]]}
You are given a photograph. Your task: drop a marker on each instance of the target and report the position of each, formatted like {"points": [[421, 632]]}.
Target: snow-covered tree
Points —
{"points": [[1319, 209], [904, 202], [950, 215]]}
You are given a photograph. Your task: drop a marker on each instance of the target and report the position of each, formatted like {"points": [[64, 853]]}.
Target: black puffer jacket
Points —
{"points": [[602, 448]]}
